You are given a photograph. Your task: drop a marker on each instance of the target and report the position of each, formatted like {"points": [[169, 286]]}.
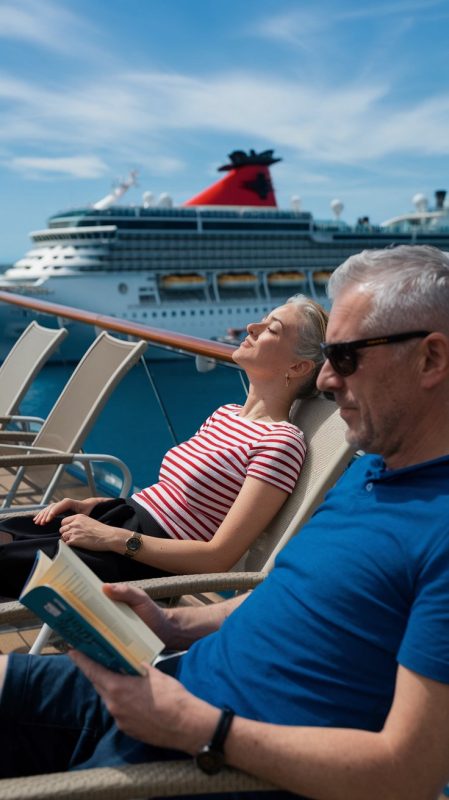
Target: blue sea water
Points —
{"points": [[131, 425]]}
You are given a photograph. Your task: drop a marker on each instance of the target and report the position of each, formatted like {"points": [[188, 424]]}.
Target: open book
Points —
{"points": [[68, 596]]}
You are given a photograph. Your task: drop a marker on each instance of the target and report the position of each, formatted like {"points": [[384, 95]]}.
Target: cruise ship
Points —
{"points": [[207, 267]]}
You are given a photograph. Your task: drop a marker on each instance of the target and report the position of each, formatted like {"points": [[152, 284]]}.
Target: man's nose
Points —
{"points": [[328, 380]]}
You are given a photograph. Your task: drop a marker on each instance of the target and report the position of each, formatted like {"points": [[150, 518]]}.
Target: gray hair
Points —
{"points": [[409, 286], [311, 332]]}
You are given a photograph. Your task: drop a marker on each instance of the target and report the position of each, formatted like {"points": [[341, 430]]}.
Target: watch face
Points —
{"points": [[133, 544], [210, 760]]}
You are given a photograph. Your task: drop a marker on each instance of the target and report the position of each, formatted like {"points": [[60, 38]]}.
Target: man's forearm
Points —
{"points": [[326, 763], [190, 623]]}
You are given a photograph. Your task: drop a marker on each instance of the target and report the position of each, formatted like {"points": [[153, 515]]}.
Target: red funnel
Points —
{"points": [[247, 184]]}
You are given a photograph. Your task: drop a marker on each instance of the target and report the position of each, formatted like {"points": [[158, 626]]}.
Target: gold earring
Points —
{"points": [[287, 380]]}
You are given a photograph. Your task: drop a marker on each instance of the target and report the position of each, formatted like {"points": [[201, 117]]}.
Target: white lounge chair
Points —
{"points": [[22, 364], [38, 460]]}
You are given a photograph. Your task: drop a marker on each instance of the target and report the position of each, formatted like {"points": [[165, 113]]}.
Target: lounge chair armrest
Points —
{"points": [[160, 779], [20, 436], [39, 459], [177, 585], [14, 613]]}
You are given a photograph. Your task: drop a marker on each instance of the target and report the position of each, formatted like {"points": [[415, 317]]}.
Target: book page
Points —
{"points": [[74, 580]]}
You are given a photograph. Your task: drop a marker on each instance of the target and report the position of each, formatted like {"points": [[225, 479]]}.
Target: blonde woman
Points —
{"points": [[216, 492]]}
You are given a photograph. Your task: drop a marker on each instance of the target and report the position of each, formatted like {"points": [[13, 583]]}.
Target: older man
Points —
{"points": [[332, 678]]}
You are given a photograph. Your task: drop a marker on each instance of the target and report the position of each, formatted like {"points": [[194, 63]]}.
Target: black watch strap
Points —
{"points": [[210, 759], [222, 729]]}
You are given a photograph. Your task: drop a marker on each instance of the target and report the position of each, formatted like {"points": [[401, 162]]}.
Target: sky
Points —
{"points": [[353, 97]]}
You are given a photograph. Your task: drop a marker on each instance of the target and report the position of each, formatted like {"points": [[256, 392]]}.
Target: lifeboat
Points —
{"points": [[286, 279], [237, 280], [183, 282], [321, 278]]}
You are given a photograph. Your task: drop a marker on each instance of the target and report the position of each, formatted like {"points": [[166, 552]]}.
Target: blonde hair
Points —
{"points": [[311, 332]]}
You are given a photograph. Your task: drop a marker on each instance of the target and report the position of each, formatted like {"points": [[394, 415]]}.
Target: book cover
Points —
{"points": [[68, 596]]}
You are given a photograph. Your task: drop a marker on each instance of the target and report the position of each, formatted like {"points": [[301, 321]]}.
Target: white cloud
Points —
{"points": [[351, 123], [45, 24], [74, 166]]}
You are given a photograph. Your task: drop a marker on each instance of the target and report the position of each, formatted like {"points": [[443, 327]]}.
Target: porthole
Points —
{"points": [[123, 288]]}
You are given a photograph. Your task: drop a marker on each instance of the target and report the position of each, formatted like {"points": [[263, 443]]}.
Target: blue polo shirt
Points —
{"points": [[365, 585]]}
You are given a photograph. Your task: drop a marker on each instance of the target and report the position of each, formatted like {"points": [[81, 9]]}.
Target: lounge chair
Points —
{"points": [[328, 454], [22, 364], [37, 461]]}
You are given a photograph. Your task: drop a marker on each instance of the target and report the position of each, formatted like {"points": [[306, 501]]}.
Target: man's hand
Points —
{"points": [[152, 615], [155, 708]]}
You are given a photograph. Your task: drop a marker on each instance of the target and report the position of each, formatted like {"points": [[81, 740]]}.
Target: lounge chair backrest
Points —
{"points": [[72, 417], [327, 456], [33, 348]]}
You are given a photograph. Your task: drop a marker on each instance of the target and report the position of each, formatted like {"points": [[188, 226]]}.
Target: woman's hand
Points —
{"points": [[82, 531], [63, 506]]}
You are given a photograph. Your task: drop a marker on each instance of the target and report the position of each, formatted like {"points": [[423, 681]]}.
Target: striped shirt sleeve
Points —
{"points": [[278, 456]]}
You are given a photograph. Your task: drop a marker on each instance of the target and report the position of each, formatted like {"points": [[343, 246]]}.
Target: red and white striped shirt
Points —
{"points": [[200, 478]]}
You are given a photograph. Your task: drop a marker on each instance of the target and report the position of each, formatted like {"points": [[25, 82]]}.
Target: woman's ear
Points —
{"points": [[301, 368]]}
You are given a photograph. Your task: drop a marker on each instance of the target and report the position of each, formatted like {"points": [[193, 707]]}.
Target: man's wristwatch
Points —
{"points": [[211, 759], [133, 545]]}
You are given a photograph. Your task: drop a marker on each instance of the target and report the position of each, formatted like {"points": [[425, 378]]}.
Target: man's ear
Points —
{"points": [[435, 360]]}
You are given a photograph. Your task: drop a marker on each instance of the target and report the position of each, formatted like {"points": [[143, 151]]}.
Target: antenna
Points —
{"points": [[296, 203]]}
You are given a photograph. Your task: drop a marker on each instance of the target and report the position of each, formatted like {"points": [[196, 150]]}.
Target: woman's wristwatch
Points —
{"points": [[133, 545], [211, 758]]}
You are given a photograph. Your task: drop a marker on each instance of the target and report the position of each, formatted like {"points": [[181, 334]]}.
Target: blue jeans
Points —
{"points": [[52, 720]]}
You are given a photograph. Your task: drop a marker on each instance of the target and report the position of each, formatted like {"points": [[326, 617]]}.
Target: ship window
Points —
{"points": [[123, 288], [183, 313], [173, 313], [164, 314], [192, 313]]}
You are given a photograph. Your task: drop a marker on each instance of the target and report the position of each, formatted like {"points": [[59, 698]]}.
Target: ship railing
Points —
{"points": [[208, 354]]}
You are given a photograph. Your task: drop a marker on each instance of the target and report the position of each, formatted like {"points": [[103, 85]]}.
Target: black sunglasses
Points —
{"points": [[343, 355]]}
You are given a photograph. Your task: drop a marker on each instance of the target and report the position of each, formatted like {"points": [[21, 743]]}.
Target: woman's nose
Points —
{"points": [[253, 328]]}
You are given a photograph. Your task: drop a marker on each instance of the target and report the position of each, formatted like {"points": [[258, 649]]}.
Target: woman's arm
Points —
{"points": [[254, 507]]}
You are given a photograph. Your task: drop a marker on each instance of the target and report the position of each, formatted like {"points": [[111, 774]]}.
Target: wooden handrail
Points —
{"points": [[178, 341]]}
